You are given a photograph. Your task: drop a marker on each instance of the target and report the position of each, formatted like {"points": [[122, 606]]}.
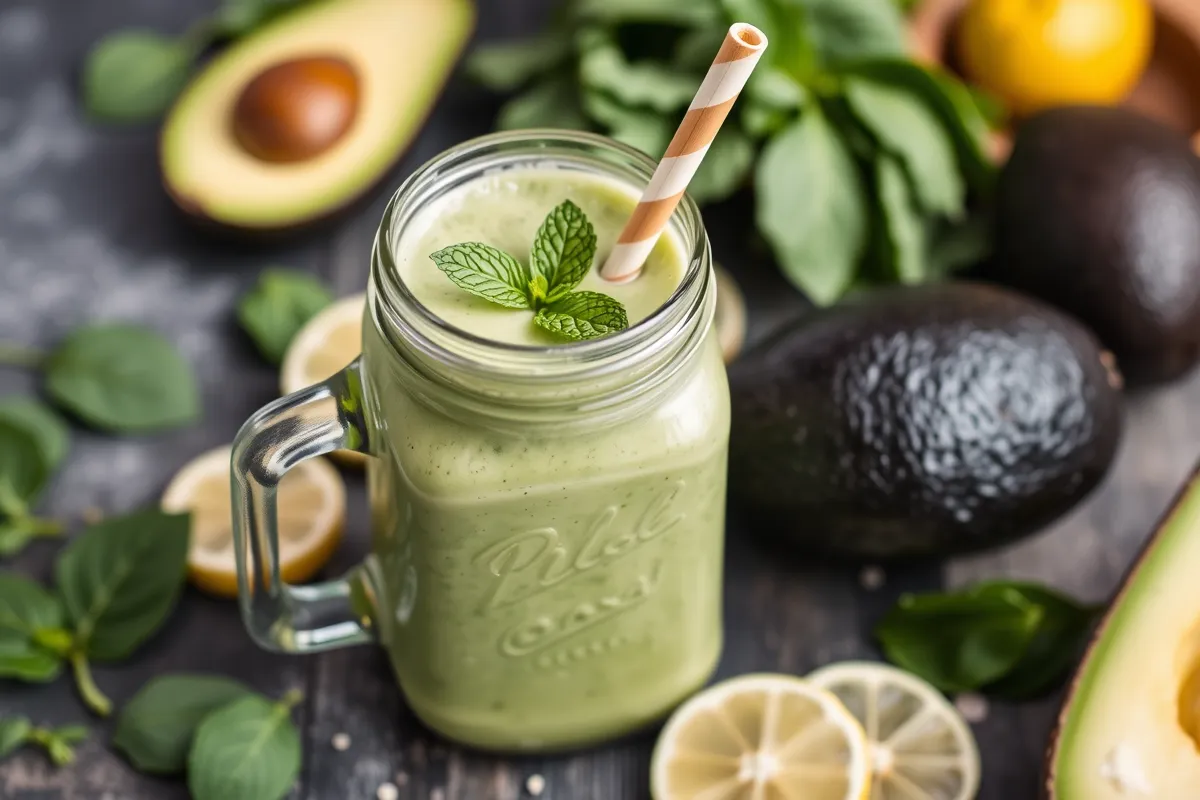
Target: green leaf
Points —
{"points": [[903, 224], [642, 128], [603, 68], [39, 420], [549, 103], [120, 578], [248, 750], [697, 47], [959, 642], [134, 76], [122, 378], [277, 307], [240, 17], [156, 728], [842, 30], [958, 245], [726, 166], [785, 24], [909, 130], [14, 732], [694, 13], [22, 469], [811, 206], [950, 101], [563, 249], [505, 66], [583, 315], [1060, 638], [27, 612], [485, 272]]}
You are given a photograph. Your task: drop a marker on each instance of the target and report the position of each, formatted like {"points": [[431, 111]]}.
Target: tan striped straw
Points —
{"points": [[739, 54]]}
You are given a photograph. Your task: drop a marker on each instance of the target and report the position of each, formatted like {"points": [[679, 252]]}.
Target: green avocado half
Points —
{"points": [[297, 121], [1130, 726]]}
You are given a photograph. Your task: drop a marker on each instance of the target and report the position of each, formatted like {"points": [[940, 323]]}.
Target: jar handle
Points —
{"points": [[307, 423]]}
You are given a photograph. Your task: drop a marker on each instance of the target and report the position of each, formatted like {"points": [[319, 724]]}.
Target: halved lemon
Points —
{"points": [[326, 343], [312, 512], [920, 747], [761, 737]]}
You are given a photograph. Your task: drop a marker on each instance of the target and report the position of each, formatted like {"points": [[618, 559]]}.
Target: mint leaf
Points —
{"points": [[156, 728], [853, 29], [583, 315], [277, 307], [959, 642], [642, 128], [40, 421], [549, 103], [247, 750], [14, 732], [29, 617], [726, 166], [135, 76], [903, 225], [505, 66], [563, 249], [485, 272], [603, 67], [812, 207], [122, 378], [22, 469], [907, 129]]}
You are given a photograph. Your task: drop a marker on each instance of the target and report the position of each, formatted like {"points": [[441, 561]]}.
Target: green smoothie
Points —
{"points": [[541, 588]]}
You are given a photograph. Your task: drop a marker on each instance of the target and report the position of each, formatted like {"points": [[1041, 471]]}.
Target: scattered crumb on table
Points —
{"points": [[973, 707], [340, 742], [437, 794], [872, 577], [401, 778], [387, 791], [535, 784]]}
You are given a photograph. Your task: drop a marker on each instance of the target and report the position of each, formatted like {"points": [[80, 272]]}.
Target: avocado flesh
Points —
{"points": [[1131, 723], [402, 50]]}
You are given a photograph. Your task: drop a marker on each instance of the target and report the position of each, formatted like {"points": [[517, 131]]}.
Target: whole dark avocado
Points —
{"points": [[921, 421], [1098, 212]]}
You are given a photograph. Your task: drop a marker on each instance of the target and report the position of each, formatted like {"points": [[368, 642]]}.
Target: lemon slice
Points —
{"points": [[326, 343], [761, 737], [921, 749], [312, 510]]}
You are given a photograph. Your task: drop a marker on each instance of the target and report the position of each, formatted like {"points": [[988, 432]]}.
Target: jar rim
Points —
{"points": [[393, 304]]}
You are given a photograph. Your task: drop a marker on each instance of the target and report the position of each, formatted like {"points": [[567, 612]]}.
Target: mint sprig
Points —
{"points": [[560, 258]]}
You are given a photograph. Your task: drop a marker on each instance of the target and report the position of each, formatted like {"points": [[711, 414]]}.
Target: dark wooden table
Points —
{"points": [[86, 233]]}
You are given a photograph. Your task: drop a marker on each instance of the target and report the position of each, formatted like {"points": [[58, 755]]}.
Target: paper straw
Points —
{"points": [[739, 54]]}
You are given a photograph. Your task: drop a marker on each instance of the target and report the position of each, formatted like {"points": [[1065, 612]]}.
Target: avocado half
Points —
{"points": [[299, 120], [1130, 726]]}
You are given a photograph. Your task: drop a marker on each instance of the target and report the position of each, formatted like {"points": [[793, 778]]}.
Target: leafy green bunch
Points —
{"points": [[135, 75], [562, 254], [861, 159], [1010, 639], [18, 731]]}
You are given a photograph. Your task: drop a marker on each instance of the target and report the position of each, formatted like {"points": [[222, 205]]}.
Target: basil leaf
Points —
{"points": [[671, 12], [1057, 643], [22, 469], [40, 421], [850, 29], [903, 225], [485, 272], [14, 731], [603, 67], [725, 167], [275, 310], [907, 129], [583, 315], [119, 580], [157, 726], [812, 207], [550, 103], [950, 101], [248, 750], [505, 66], [563, 249], [122, 378], [642, 128], [135, 76], [27, 611], [959, 642]]}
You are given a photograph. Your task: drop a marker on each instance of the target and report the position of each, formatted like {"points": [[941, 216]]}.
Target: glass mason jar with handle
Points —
{"points": [[547, 522]]}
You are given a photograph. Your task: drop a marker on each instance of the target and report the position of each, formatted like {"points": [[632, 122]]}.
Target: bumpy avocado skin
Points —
{"points": [[1098, 212], [919, 421]]}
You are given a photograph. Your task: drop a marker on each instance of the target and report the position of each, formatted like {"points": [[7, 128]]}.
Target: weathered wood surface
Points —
{"points": [[86, 233]]}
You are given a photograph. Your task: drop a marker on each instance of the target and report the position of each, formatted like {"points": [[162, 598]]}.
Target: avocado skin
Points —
{"points": [[1098, 212], [920, 421]]}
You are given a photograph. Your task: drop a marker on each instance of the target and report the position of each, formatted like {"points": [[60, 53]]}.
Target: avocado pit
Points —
{"points": [[297, 109]]}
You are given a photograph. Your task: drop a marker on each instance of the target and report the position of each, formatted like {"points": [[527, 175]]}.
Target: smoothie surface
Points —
{"points": [[504, 210]]}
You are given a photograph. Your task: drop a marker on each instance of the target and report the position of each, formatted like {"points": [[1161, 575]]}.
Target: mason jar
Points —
{"points": [[546, 522]]}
